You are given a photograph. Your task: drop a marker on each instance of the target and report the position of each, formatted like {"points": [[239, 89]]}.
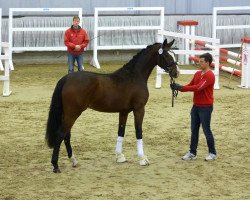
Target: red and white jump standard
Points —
{"points": [[245, 78]]}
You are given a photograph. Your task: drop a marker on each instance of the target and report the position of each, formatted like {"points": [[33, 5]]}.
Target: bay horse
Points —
{"points": [[122, 91]]}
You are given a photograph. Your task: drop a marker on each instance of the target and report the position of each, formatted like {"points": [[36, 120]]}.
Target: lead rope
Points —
{"points": [[174, 92]]}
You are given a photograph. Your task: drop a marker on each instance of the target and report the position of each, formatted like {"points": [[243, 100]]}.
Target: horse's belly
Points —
{"points": [[111, 97], [108, 105]]}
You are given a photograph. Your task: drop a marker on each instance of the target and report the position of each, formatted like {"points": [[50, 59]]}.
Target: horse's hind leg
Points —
{"points": [[70, 115], [56, 150], [120, 158], [69, 149]]}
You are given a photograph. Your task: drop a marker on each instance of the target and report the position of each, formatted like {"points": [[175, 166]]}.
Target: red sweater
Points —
{"points": [[202, 85], [73, 37]]}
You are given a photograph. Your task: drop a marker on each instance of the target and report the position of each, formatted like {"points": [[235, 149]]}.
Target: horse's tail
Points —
{"points": [[55, 114]]}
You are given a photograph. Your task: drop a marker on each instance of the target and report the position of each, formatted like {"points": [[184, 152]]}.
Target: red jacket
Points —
{"points": [[73, 37], [203, 86]]}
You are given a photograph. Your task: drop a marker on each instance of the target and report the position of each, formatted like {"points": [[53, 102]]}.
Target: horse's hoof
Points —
{"points": [[144, 161], [120, 158], [56, 170], [74, 161], [75, 164]]}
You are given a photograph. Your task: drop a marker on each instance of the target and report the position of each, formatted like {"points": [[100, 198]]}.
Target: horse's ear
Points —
{"points": [[168, 45], [165, 43]]}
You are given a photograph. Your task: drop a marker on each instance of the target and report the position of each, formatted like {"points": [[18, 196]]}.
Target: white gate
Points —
{"points": [[97, 47], [218, 27], [44, 11]]}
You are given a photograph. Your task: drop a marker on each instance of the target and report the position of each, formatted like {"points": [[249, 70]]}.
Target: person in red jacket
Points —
{"points": [[76, 39], [202, 85]]}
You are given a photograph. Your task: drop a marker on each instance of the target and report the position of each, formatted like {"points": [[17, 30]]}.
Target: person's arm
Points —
{"points": [[176, 86], [191, 82], [67, 42], [205, 82], [85, 41]]}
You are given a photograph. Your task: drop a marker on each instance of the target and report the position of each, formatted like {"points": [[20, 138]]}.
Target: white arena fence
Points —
{"points": [[215, 52], [217, 27], [98, 28], [43, 12], [5, 62], [1, 64], [5, 58]]}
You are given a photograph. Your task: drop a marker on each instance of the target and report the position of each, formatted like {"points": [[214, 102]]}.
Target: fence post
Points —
{"points": [[216, 56], [245, 70], [188, 28], [94, 62], [6, 77]]}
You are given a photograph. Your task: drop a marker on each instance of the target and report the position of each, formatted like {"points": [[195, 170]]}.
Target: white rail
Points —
{"points": [[43, 11], [97, 28], [5, 59], [218, 27]]}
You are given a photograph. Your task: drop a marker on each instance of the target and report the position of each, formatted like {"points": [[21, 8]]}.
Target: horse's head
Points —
{"points": [[166, 59]]}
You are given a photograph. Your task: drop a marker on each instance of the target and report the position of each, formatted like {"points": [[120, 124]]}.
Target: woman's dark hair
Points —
{"points": [[207, 57]]}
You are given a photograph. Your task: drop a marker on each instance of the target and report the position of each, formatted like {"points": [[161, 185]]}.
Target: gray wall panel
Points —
{"points": [[171, 6], [199, 6]]}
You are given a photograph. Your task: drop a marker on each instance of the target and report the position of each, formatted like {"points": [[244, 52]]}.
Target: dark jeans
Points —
{"points": [[201, 115], [71, 61]]}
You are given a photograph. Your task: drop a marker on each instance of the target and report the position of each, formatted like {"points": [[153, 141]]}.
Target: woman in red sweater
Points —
{"points": [[76, 39], [202, 85]]}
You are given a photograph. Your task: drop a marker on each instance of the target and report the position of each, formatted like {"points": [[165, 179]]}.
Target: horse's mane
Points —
{"points": [[135, 58], [129, 67]]}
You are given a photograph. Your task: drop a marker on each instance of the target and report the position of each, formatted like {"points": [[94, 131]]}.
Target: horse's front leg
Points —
{"points": [[120, 158], [138, 117]]}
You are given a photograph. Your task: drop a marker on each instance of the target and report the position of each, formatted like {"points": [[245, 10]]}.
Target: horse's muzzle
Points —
{"points": [[175, 72]]}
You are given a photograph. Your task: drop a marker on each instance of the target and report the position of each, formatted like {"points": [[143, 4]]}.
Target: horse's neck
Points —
{"points": [[139, 69], [146, 67]]}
